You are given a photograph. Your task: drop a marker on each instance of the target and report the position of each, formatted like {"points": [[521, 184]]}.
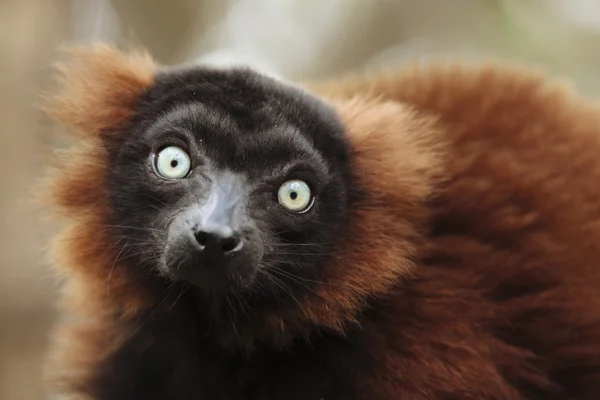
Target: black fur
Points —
{"points": [[267, 132], [176, 356]]}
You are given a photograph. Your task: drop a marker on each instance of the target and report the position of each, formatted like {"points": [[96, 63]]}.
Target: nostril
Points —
{"points": [[202, 238], [229, 244]]}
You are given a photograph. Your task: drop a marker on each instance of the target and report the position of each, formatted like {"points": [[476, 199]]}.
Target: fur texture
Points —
{"points": [[467, 269]]}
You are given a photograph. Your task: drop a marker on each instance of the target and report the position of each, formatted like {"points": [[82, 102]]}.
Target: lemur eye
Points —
{"points": [[295, 195], [172, 163]]}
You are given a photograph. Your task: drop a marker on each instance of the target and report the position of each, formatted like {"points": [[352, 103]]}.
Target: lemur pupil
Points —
{"points": [[174, 163], [293, 195]]}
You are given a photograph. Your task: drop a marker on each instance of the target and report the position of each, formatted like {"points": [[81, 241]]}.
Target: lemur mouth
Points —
{"points": [[211, 268]]}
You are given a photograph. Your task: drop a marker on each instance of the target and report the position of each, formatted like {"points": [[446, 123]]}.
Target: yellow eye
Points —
{"points": [[295, 196], [172, 163]]}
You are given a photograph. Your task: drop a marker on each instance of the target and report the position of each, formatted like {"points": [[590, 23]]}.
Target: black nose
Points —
{"points": [[216, 242]]}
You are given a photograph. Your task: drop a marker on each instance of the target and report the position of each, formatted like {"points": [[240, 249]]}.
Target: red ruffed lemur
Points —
{"points": [[431, 233]]}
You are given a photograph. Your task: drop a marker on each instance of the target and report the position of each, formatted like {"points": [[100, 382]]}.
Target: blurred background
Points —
{"points": [[295, 39]]}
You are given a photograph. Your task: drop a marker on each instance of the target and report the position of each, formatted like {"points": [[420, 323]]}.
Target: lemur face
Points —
{"points": [[229, 181]]}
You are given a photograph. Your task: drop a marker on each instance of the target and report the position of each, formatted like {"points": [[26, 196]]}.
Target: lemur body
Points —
{"points": [[430, 234]]}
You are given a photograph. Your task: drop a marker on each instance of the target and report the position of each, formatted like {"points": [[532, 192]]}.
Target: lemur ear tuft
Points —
{"points": [[98, 88]]}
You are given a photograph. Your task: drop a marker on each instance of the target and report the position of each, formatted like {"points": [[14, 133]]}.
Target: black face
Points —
{"points": [[230, 181]]}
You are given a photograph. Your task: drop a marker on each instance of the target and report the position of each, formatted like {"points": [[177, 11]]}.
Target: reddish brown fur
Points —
{"points": [[510, 159], [357, 274], [523, 166], [99, 88]]}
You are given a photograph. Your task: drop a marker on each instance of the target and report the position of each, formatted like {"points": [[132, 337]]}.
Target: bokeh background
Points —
{"points": [[295, 39]]}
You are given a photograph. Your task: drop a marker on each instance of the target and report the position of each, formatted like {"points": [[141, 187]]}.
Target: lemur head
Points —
{"points": [[227, 182]]}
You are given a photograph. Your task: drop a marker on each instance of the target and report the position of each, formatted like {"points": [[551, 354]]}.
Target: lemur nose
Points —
{"points": [[216, 242]]}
